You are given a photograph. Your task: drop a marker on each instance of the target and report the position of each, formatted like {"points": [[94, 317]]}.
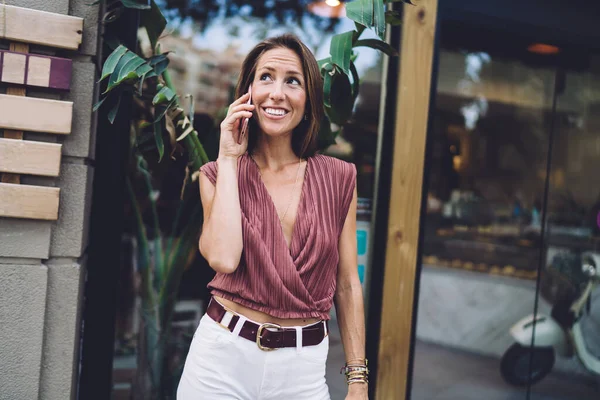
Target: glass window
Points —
{"points": [[486, 258]]}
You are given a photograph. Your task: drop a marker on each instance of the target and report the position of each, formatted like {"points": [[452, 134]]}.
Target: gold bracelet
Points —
{"points": [[365, 381]]}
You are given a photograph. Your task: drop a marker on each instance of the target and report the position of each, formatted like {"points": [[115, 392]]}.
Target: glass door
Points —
{"points": [[502, 108], [569, 302]]}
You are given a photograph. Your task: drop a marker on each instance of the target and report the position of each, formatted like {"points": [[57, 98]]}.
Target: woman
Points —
{"points": [[280, 231]]}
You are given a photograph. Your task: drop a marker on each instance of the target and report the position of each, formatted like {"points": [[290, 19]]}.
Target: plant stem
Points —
{"points": [[197, 154]]}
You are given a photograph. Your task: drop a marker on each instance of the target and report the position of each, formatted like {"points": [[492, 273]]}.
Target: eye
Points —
{"points": [[293, 81], [265, 77]]}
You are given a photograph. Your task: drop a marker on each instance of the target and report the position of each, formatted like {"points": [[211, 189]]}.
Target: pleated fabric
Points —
{"points": [[298, 281]]}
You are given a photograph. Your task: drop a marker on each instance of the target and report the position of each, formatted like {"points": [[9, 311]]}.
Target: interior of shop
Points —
{"points": [[513, 202]]}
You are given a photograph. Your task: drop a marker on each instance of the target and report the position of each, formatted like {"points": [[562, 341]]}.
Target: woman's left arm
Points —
{"points": [[349, 299]]}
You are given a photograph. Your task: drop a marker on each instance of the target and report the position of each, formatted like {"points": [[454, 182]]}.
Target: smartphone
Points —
{"points": [[246, 120]]}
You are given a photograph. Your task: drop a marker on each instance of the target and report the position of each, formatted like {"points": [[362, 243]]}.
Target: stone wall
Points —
{"points": [[42, 264]]}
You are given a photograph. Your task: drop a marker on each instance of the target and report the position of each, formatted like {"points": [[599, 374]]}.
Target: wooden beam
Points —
{"points": [[40, 27], [36, 115], [30, 202], [416, 59], [35, 70], [29, 157]]}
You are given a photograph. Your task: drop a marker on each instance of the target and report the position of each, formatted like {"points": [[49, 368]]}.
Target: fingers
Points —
{"points": [[240, 107], [233, 124], [231, 119], [239, 101]]}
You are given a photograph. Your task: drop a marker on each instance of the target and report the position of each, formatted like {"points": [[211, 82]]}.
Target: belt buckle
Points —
{"points": [[261, 328]]}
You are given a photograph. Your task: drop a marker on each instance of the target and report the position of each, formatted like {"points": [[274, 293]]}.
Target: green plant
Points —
{"points": [[159, 114]]}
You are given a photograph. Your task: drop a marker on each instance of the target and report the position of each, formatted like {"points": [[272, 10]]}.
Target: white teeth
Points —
{"points": [[275, 111]]}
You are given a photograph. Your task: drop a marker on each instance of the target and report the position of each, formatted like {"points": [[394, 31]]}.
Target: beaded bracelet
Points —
{"points": [[356, 371]]}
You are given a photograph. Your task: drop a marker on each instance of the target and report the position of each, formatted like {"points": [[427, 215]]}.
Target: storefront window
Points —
{"points": [[507, 227]]}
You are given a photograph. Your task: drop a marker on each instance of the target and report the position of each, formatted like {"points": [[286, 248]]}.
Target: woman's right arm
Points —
{"points": [[221, 239]]}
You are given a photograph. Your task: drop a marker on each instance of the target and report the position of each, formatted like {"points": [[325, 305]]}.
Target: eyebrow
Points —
{"points": [[291, 71]]}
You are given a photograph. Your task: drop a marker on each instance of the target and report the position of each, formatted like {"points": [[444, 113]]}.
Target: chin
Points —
{"points": [[277, 131]]}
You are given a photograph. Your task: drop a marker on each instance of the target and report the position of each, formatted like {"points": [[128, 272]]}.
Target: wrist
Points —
{"points": [[227, 160], [358, 387]]}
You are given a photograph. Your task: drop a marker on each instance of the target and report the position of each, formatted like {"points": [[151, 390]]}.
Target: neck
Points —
{"points": [[274, 153]]}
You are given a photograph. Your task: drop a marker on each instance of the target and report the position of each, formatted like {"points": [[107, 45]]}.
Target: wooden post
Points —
{"points": [[15, 91], [412, 113]]}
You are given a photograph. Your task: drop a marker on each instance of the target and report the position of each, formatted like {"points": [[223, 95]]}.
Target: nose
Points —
{"points": [[277, 92]]}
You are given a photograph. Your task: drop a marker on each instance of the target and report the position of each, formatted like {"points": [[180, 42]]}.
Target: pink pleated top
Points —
{"points": [[298, 281]]}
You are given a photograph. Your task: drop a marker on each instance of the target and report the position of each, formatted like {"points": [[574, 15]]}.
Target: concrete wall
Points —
{"points": [[42, 264]]}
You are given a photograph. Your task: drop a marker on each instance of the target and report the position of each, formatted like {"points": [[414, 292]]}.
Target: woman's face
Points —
{"points": [[279, 92]]}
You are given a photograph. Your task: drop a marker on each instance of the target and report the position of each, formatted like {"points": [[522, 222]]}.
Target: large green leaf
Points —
{"points": [[360, 11], [159, 63], [112, 114], [377, 45], [129, 70], [112, 82], [323, 62], [138, 4], [165, 95], [99, 104], [112, 61], [379, 18], [143, 69], [341, 99], [341, 50], [154, 22]]}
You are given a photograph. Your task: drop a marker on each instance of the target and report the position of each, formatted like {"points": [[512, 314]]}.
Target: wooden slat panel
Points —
{"points": [[418, 31], [35, 70], [39, 27], [36, 115], [31, 202], [19, 51], [29, 157]]}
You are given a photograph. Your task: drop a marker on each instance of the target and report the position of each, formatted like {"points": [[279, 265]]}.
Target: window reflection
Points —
{"points": [[488, 170], [486, 262]]}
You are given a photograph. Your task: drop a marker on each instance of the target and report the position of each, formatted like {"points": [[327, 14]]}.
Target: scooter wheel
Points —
{"points": [[515, 368]]}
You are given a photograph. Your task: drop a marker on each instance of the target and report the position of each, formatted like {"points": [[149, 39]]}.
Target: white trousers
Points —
{"points": [[222, 365]]}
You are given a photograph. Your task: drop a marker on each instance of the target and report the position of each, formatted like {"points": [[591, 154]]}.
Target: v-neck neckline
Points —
{"points": [[300, 208]]}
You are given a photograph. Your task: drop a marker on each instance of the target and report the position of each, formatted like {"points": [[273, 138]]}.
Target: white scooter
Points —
{"points": [[559, 333]]}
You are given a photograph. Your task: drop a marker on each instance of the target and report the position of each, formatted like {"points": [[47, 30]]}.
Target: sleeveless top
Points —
{"points": [[297, 281]]}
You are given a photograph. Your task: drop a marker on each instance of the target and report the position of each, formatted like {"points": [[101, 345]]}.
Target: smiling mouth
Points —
{"points": [[275, 112]]}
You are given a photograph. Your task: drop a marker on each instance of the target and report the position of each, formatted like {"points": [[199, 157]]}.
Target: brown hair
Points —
{"points": [[304, 136]]}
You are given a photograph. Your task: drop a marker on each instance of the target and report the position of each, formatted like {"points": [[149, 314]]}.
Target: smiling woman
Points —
{"points": [[280, 231]]}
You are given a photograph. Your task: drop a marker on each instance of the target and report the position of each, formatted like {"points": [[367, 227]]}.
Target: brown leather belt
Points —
{"points": [[268, 336]]}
